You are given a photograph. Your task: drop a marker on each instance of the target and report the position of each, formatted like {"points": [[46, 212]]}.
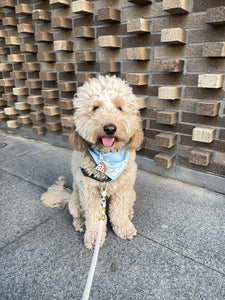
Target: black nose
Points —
{"points": [[109, 129]]}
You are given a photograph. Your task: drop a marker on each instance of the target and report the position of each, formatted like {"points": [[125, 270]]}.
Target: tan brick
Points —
{"points": [[23, 9], [204, 135], [13, 40], [2, 114], [108, 14], [64, 67], [167, 117], [28, 48], [50, 94], [37, 116], [138, 25], [48, 76], [200, 157], [5, 67], [212, 81], [207, 108], [10, 111], [12, 124], [63, 46], [166, 140], [35, 100], [38, 129], [66, 104], [8, 3], [169, 92], [53, 126], [176, 6], [109, 41], [16, 58], [139, 53], [9, 97], [172, 66], [85, 56], [215, 15], [31, 66], [41, 14], [33, 84], [67, 121], [164, 160], [213, 49], [59, 3], [43, 37], [83, 32], [82, 77], [62, 22], [137, 79], [20, 91], [82, 7], [7, 82], [22, 106], [141, 2], [9, 21], [24, 120], [173, 36], [67, 86], [109, 66], [25, 28], [52, 110], [143, 102], [46, 56]]}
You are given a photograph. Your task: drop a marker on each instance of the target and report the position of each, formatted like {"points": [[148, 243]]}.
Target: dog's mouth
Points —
{"points": [[108, 141]]}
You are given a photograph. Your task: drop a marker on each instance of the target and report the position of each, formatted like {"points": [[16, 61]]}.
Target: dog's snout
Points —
{"points": [[109, 129]]}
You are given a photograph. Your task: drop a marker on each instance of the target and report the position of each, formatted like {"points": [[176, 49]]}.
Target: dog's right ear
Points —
{"points": [[77, 142]]}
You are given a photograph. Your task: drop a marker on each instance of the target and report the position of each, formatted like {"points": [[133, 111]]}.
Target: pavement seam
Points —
{"points": [[25, 233], [181, 254]]}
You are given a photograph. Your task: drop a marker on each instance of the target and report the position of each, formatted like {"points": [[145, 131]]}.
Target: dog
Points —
{"points": [[107, 132]]}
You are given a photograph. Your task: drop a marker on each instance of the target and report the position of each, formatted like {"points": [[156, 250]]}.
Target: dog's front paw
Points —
{"points": [[127, 231], [78, 224], [90, 238]]}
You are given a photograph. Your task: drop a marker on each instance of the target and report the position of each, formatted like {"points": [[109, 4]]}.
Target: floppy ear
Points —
{"points": [[77, 142], [136, 140]]}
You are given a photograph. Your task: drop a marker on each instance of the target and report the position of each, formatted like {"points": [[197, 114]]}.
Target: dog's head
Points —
{"points": [[106, 116]]}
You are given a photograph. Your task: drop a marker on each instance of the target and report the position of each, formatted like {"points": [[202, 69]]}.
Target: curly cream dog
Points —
{"points": [[107, 124]]}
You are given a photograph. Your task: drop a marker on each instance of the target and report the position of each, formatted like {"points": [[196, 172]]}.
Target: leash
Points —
{"points": [[101, 219]]}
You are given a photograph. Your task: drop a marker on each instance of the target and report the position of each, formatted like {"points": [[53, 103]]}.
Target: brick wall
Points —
{"points": [[172, 52]]}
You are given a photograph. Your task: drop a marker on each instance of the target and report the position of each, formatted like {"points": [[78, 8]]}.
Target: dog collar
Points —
{"points": [[111, 164], [92, 176]]}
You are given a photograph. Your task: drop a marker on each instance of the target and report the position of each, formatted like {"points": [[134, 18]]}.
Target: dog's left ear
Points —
{"points": [[136, 140], [77, 142]]}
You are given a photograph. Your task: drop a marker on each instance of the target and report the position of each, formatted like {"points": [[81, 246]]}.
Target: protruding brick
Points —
{"points": [[66, 104], [85, 56], [109, 66], [67, 122], [22, 105], [82, 77], [48, 76], [173, 36], [50, 94], [164, 160], [43, 37], [38, 129], [5, 67], [109, 41], [171, 65], [67, 86], [23, 9], [33, 84], [176, 6], [167, 117], [82, 7], [10, 111], [35, 100], [200, 157], [2, 114], [137, 79], [31, 66], [25, 28], [53, 126], [41, 14], [46, 56], [7, 82], [212, 81], [213, 49], [52, 110], [210, 109], [165, 140], [20, 91], [139, 25], [59, 3], [108, 14], [62, 22], [12, 124], [13, 40], [28, 48], [37, 116], [215, 15], [141, 2], [139, 53], [83, 32], [204, 135], [64, 67], [9, 97], [8, 3], [143, 102], [63, 46], [169, 92], [9, 21], [16, 58], [24, 120]]}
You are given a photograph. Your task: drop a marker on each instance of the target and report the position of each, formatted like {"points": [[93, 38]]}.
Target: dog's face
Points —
{"points": [[107, 116]]}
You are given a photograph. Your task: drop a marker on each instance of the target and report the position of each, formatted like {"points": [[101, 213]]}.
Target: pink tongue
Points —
{"points": [[107, 141]]}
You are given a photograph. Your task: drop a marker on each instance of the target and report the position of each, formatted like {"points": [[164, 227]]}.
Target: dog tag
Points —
{"points": [[101, 167]]}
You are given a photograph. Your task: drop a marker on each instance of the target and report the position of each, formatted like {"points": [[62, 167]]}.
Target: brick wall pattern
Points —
{"points": [[172, 53]]}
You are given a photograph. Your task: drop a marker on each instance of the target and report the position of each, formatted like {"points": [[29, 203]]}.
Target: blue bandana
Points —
{"points": [[111, 164]]}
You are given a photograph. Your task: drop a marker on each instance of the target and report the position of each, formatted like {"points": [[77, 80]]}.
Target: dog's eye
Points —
{"points": [[119, 108], [95, 108]]}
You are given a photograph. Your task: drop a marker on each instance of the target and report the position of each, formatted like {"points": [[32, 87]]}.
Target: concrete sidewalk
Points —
{"points": [[179, 252]]}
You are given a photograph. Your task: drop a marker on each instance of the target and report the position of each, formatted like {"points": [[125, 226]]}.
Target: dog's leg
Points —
{"points": [[121, 212], [91, 206], [75, 210]]}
